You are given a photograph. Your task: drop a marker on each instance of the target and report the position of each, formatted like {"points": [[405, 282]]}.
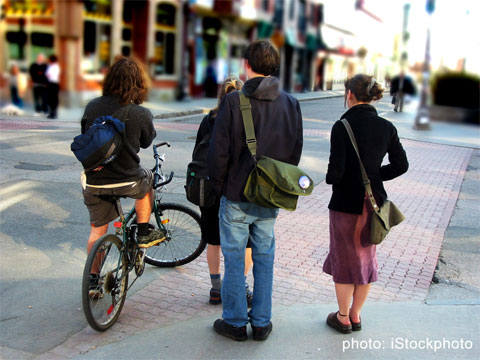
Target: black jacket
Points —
{"points": [[278, 128], [139, 133], [37, 73], [206, 126], [375, 137]]}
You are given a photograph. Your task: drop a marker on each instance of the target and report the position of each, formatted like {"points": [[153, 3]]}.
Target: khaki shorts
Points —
{"points": [[103, 207]]}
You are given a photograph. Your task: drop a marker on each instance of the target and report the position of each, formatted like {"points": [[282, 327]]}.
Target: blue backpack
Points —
{"points": [[100, 144]]}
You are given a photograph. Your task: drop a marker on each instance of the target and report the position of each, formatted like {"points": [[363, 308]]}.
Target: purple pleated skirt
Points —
{"points": [[351, 259]]}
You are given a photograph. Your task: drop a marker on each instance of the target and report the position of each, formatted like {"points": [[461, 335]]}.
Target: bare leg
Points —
{"points": [[344, 297], [248, 260], [95, 233], [213, 258], [359, 296], [143, 208]]}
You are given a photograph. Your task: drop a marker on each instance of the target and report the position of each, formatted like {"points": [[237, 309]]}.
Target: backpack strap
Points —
{"points": [[246, 110]]}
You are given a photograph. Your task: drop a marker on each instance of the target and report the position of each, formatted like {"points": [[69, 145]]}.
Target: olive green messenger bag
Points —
{"points": [[271, 183]]}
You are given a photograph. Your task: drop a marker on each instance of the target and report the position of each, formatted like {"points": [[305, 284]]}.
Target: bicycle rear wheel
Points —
{"points": [[184, 237], [104, 284]]}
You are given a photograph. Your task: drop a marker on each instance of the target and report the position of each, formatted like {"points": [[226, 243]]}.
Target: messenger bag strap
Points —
{"points": [[366, 181], [246, 109]]}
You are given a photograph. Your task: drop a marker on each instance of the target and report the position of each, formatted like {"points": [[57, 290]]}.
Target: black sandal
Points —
{"points": [[356, 326], [334, 323]]}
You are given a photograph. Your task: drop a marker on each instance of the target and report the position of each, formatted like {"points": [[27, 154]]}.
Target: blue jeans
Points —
{"points": [[240, 221]]}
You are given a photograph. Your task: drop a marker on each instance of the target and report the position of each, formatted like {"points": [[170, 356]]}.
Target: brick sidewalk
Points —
{"points": [[426, 195]]}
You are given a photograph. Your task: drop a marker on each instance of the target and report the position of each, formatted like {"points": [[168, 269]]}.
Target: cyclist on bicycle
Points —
{"points": [[124, 89]]}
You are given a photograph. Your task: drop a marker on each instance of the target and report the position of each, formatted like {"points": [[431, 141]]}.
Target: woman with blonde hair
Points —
{"points": [[209, 215]]}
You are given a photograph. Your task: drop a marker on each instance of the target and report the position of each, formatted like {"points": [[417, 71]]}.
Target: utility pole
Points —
{"points": [[422, 120]]}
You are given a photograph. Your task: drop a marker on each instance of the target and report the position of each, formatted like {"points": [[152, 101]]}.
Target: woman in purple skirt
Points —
{"points": [[352, 260]]}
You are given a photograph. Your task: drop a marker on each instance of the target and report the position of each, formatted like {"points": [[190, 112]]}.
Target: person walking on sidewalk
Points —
{"points": [[53, 86], [278, 128], [18, 86], [124, 89], [209, 215], [37, 74], [352, 260]]}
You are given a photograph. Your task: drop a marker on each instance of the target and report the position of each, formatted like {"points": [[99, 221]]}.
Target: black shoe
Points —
{"points": [[95, 291], [51, 116], [356, 326], [155, 237], [334, 323], [230, 331], [215, 297], [261, 333], [249, 297]]}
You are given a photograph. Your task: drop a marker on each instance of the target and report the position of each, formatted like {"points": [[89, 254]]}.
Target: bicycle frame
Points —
{"points": [[123, 226]]}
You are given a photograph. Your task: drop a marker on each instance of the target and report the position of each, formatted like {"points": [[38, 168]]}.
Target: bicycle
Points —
{"points": [[114, 256]]}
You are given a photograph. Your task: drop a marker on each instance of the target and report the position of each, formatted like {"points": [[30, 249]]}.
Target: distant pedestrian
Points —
{"points": [[352, 259], [18, 86], [53, 86], [401, 85], [278, 129], [39, 80], [210, 85], [209, 215]]}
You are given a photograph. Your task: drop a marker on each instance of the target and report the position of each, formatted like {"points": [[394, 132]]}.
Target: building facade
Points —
{"points": [[188, 46]]}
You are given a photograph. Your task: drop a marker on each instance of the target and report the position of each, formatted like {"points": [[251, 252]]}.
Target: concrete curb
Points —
{"points": [[177, 114]]}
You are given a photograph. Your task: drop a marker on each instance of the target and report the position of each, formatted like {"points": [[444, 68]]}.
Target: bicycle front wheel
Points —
{"points": [[184, 241], [104, 284]]}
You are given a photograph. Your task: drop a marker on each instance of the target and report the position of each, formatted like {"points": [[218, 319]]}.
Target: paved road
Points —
{"points": [[44, 225], [44, 222]]}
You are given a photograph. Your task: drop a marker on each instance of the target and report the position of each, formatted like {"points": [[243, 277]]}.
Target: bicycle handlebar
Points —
{"points": [[156, 170]]}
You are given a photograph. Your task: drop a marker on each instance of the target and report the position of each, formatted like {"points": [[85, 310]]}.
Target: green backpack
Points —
{"points": [[271, 183]]}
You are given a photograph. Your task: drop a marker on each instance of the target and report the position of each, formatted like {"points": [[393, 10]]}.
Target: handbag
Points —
{"points": [[271, 183], [384, 217]]}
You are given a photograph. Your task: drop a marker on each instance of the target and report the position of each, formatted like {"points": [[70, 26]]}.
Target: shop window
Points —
{"points": [[89, 37], [164, 56], [265, 5], [98, 6], [126, 34], [126, 51], [166, 14], [164, 53], [96, 46], [16, 44], [42, 39]]}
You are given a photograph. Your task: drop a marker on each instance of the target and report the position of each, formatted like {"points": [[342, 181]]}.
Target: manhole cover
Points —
{"points": [[37, 167]]}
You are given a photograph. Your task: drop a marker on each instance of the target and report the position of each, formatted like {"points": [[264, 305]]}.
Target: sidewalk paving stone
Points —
{"points": [[426, 194]]}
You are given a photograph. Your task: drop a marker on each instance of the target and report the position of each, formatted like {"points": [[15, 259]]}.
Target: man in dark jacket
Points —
{"points": [[278, 129], [39, 79], [124, 89]]}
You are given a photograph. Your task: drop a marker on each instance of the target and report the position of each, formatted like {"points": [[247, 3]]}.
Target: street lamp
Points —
{"points": [[422, 119]]}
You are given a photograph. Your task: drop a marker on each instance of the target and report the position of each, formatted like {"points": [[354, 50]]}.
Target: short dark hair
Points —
{"points": [[53, 58], [126, 79], [262, 57]]}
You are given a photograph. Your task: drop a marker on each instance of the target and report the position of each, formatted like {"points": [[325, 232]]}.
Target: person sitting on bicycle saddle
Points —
{"points": [[124, 89]]}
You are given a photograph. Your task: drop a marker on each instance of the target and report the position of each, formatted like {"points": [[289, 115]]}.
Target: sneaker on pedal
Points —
{"points": [[155, 237], [95, 290]]}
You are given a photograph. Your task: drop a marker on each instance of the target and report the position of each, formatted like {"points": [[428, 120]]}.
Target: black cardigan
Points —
{"points": [[139, 133], [375, 137]]}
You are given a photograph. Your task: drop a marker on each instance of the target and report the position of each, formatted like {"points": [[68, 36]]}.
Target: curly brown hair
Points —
{"points": [[127, 79]]}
